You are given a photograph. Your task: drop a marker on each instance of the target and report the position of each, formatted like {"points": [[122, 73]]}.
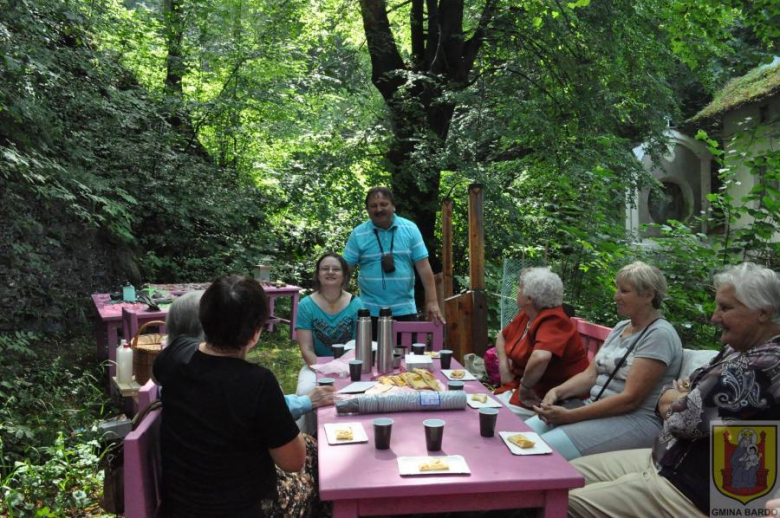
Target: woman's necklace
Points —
{"points": [[332, 303]]}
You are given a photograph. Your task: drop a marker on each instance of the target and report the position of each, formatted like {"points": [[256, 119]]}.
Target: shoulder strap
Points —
{"points": [[625, 356], [140, 416]]}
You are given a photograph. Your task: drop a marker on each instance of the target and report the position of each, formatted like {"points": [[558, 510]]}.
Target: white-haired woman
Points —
{"points": [[182, 322], [541, 347], [742, 383], [624, 380]]}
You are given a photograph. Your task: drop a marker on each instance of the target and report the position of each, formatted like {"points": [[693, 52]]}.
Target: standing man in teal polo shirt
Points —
{"points": [[388, 249]]}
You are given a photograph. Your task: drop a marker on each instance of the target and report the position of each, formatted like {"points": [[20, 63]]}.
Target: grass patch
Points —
{"points": [[276, 352]]}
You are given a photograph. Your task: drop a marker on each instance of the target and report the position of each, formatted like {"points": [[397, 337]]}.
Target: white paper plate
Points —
{"points": [[490, 403], [357, 387], [358, 433], [351, 345], [466, 377], [411, 465], [540, 448]]}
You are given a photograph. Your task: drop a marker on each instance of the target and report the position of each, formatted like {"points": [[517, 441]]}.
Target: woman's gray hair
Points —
{"points": [[183, 317], [542, 285], [644, 278], [756, 286]]}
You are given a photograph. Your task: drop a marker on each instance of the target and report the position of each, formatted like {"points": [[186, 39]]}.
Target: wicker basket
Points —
{"points": [[145, 350]]}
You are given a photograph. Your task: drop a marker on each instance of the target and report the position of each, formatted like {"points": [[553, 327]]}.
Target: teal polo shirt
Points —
{"points": [[378, 289]]}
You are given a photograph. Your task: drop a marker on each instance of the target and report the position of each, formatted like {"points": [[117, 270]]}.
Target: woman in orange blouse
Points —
{"points": [[540, 348]]}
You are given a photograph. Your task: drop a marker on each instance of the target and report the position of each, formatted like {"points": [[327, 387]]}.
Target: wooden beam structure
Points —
{"points": [[446, 246], [476, 237]]}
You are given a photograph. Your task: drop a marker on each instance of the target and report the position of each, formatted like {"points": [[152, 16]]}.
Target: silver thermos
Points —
{"points": [[363, 339], [384, 353]]}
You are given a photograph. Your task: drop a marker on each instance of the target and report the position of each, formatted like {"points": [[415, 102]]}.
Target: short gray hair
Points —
{"points": [[542, 285], [756, 286], [183, 317], [644, 278]]}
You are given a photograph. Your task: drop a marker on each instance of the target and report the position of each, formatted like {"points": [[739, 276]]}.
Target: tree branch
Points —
{"points": [[418, 34], [385, 57]]}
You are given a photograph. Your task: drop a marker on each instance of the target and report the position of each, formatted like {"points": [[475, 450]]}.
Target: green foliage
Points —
{"points": [[49, 446], [99, 187]]}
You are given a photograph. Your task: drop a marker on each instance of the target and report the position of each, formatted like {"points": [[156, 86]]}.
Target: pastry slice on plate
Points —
{"points": [[435, 465], [345, 434], [481, 398], [458, 374], [521, 441]]}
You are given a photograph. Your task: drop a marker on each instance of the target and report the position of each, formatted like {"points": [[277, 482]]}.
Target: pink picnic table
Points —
{"points": [[110, 319], [363, 481]]}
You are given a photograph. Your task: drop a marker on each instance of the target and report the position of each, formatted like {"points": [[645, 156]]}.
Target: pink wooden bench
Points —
{"points": [[142, 460], [418, 332], [592, 335]]}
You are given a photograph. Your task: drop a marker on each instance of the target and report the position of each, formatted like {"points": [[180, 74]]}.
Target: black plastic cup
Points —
{"points": [[325, 382], [487, 421], [434, 433], [397, 360], [418, 349], [383, 427], [355, 369], [445, 357], [338, 350], [454, 385]]}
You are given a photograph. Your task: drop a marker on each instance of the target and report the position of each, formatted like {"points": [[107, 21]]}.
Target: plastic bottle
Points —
{"points": [[363, 342], [384, 353], [124, 363]]}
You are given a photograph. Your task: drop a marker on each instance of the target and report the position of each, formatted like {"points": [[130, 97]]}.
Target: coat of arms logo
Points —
{"points": [[744, 460]]}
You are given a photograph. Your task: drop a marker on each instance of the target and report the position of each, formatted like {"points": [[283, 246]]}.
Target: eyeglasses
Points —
{"points": [[334, 269]]}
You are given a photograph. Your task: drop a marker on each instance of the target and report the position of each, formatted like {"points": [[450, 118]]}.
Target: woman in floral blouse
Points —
{"points": [[741, 383]]}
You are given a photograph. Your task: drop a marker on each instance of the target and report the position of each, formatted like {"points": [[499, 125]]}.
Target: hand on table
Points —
{"points": [[553, 414], [321, 396], [434, 313]]}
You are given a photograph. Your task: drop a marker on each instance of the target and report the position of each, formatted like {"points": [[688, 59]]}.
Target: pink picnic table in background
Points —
{"points": [[363, 481], [110, 316]]}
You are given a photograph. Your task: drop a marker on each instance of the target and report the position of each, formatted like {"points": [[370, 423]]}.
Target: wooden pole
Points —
{"points": [[446, 245], [476, 237]]}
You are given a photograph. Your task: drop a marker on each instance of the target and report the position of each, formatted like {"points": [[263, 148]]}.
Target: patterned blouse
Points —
{"points": [[733, 386]]}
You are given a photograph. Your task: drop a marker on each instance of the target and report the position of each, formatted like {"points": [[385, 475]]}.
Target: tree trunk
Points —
{"points": [[442, 58], [174, 61]]}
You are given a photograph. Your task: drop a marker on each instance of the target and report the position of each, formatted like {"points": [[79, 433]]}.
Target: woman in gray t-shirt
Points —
{"points": [[624, 416]]}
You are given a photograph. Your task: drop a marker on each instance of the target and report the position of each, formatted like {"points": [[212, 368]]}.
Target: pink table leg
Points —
{"points": [[112, 330], [293, 315], [557, 504], [270, 325]]}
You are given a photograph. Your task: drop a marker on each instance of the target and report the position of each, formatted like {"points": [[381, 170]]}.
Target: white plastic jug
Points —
{"points": [[124, 363]]}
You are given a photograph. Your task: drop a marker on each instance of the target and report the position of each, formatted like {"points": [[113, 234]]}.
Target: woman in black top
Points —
{"points": [[225, 425]]}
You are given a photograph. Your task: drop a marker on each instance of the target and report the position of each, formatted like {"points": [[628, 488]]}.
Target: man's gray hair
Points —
{"points": [[542, 285], [756, 286], [644, 278], [183, 317]]}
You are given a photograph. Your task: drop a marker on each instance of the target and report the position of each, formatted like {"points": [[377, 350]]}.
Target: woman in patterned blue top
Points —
{"points": [[328, 316]]}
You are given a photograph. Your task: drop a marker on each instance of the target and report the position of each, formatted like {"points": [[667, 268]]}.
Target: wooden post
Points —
{"points": [[458, 333], [446, 245], [476, 237]]}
